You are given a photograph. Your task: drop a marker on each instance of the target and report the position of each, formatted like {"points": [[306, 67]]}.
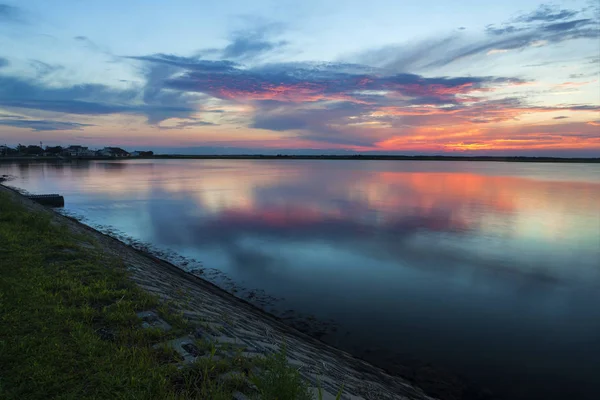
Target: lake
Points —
{"points": [[488, 269]]}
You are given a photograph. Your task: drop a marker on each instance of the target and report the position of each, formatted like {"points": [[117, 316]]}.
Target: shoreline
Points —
{"points": [[231, 320], [357, 157], [435, 381], [428, 376]]}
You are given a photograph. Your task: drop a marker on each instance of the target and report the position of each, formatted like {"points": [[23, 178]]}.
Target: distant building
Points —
{"points": [[112, 152], [78, 151], [105, 152]]}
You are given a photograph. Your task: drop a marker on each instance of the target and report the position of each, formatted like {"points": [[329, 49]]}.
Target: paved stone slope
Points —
{"points": [[220, 316]]}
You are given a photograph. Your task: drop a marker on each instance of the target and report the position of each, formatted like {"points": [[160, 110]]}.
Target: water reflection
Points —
{"points": [[490, 269]]}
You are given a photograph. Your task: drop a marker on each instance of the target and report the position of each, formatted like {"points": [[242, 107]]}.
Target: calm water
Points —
{"points": [[489, 269]]}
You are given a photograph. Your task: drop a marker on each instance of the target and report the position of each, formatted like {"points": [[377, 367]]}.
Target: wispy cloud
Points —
{"points": [[547, 13], [544, 26], [347, 104], [43, 69], [384, 99], [42, 125], [253, 42], [190, 124], [187, 124], [309, 82], [10, 13], [93, 46], [88, 99]]}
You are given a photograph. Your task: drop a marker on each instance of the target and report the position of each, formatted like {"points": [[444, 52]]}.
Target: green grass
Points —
{"points": [[69, 330], [280, 381]]}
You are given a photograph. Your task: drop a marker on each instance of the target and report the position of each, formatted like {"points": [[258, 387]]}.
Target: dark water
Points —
{"points": [[491, 270]]}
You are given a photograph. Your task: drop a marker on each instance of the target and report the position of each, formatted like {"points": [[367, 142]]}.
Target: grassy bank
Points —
{"points": [[69, 330]]}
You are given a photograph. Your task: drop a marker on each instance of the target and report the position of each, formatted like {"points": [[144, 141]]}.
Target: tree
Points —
{"points": [[34, 150], [5, 150], [54, 149]]}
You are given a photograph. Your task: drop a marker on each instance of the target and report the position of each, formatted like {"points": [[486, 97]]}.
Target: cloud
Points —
{"points": [[341, 104], [310, 82], [407, 57], [188, 63], [544, 26], [251, 43], [163, 101], [327, 102], [158, 69], [9, 13], [518, 38], [547, 13], [281, 122], [574, 138], [249, 47], [4, 62], [327, 123], [549, 19], [42, 125], [350, 105], [375, 101], [193, 122], [570, 26], [44, 69], [2, 115], [87, 42], [88, 99]]}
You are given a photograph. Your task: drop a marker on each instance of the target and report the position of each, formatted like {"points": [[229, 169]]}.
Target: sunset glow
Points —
{"points": [[521, 80]]}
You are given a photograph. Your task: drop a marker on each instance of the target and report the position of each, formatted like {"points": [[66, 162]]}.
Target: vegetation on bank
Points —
{"points": [[34, 151], [357, 157], [69, 329]]}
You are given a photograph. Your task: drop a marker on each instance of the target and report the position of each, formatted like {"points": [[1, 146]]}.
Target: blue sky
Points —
{"points": [[383, 76]]}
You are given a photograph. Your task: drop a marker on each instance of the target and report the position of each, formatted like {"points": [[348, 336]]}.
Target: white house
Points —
{"points": [[79, 151]]}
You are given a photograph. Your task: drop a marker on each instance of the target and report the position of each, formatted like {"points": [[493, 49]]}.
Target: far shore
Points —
{"points": [[312, 157]]}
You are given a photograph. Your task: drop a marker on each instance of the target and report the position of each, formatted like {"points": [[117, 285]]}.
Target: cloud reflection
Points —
{"points": [[419, 219]]}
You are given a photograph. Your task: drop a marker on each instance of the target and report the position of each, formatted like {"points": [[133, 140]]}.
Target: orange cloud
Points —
{"points": [[471, 137], [574, 84]]}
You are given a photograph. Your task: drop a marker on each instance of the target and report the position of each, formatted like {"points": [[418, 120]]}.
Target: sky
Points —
{"points": [[313, 76]]}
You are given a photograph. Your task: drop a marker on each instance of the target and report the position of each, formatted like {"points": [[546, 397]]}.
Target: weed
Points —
{"points": [[278, 380], [69, 329]]}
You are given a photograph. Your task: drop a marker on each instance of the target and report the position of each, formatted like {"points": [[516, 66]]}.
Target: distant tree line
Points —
{"points": [[71, 151]]}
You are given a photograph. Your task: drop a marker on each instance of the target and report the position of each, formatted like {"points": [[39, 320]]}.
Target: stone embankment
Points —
{"points": [[225, 319]]}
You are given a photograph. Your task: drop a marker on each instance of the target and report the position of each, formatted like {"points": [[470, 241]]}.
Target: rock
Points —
{"points": [[152, 320], [185, 347], [240, 396]]}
